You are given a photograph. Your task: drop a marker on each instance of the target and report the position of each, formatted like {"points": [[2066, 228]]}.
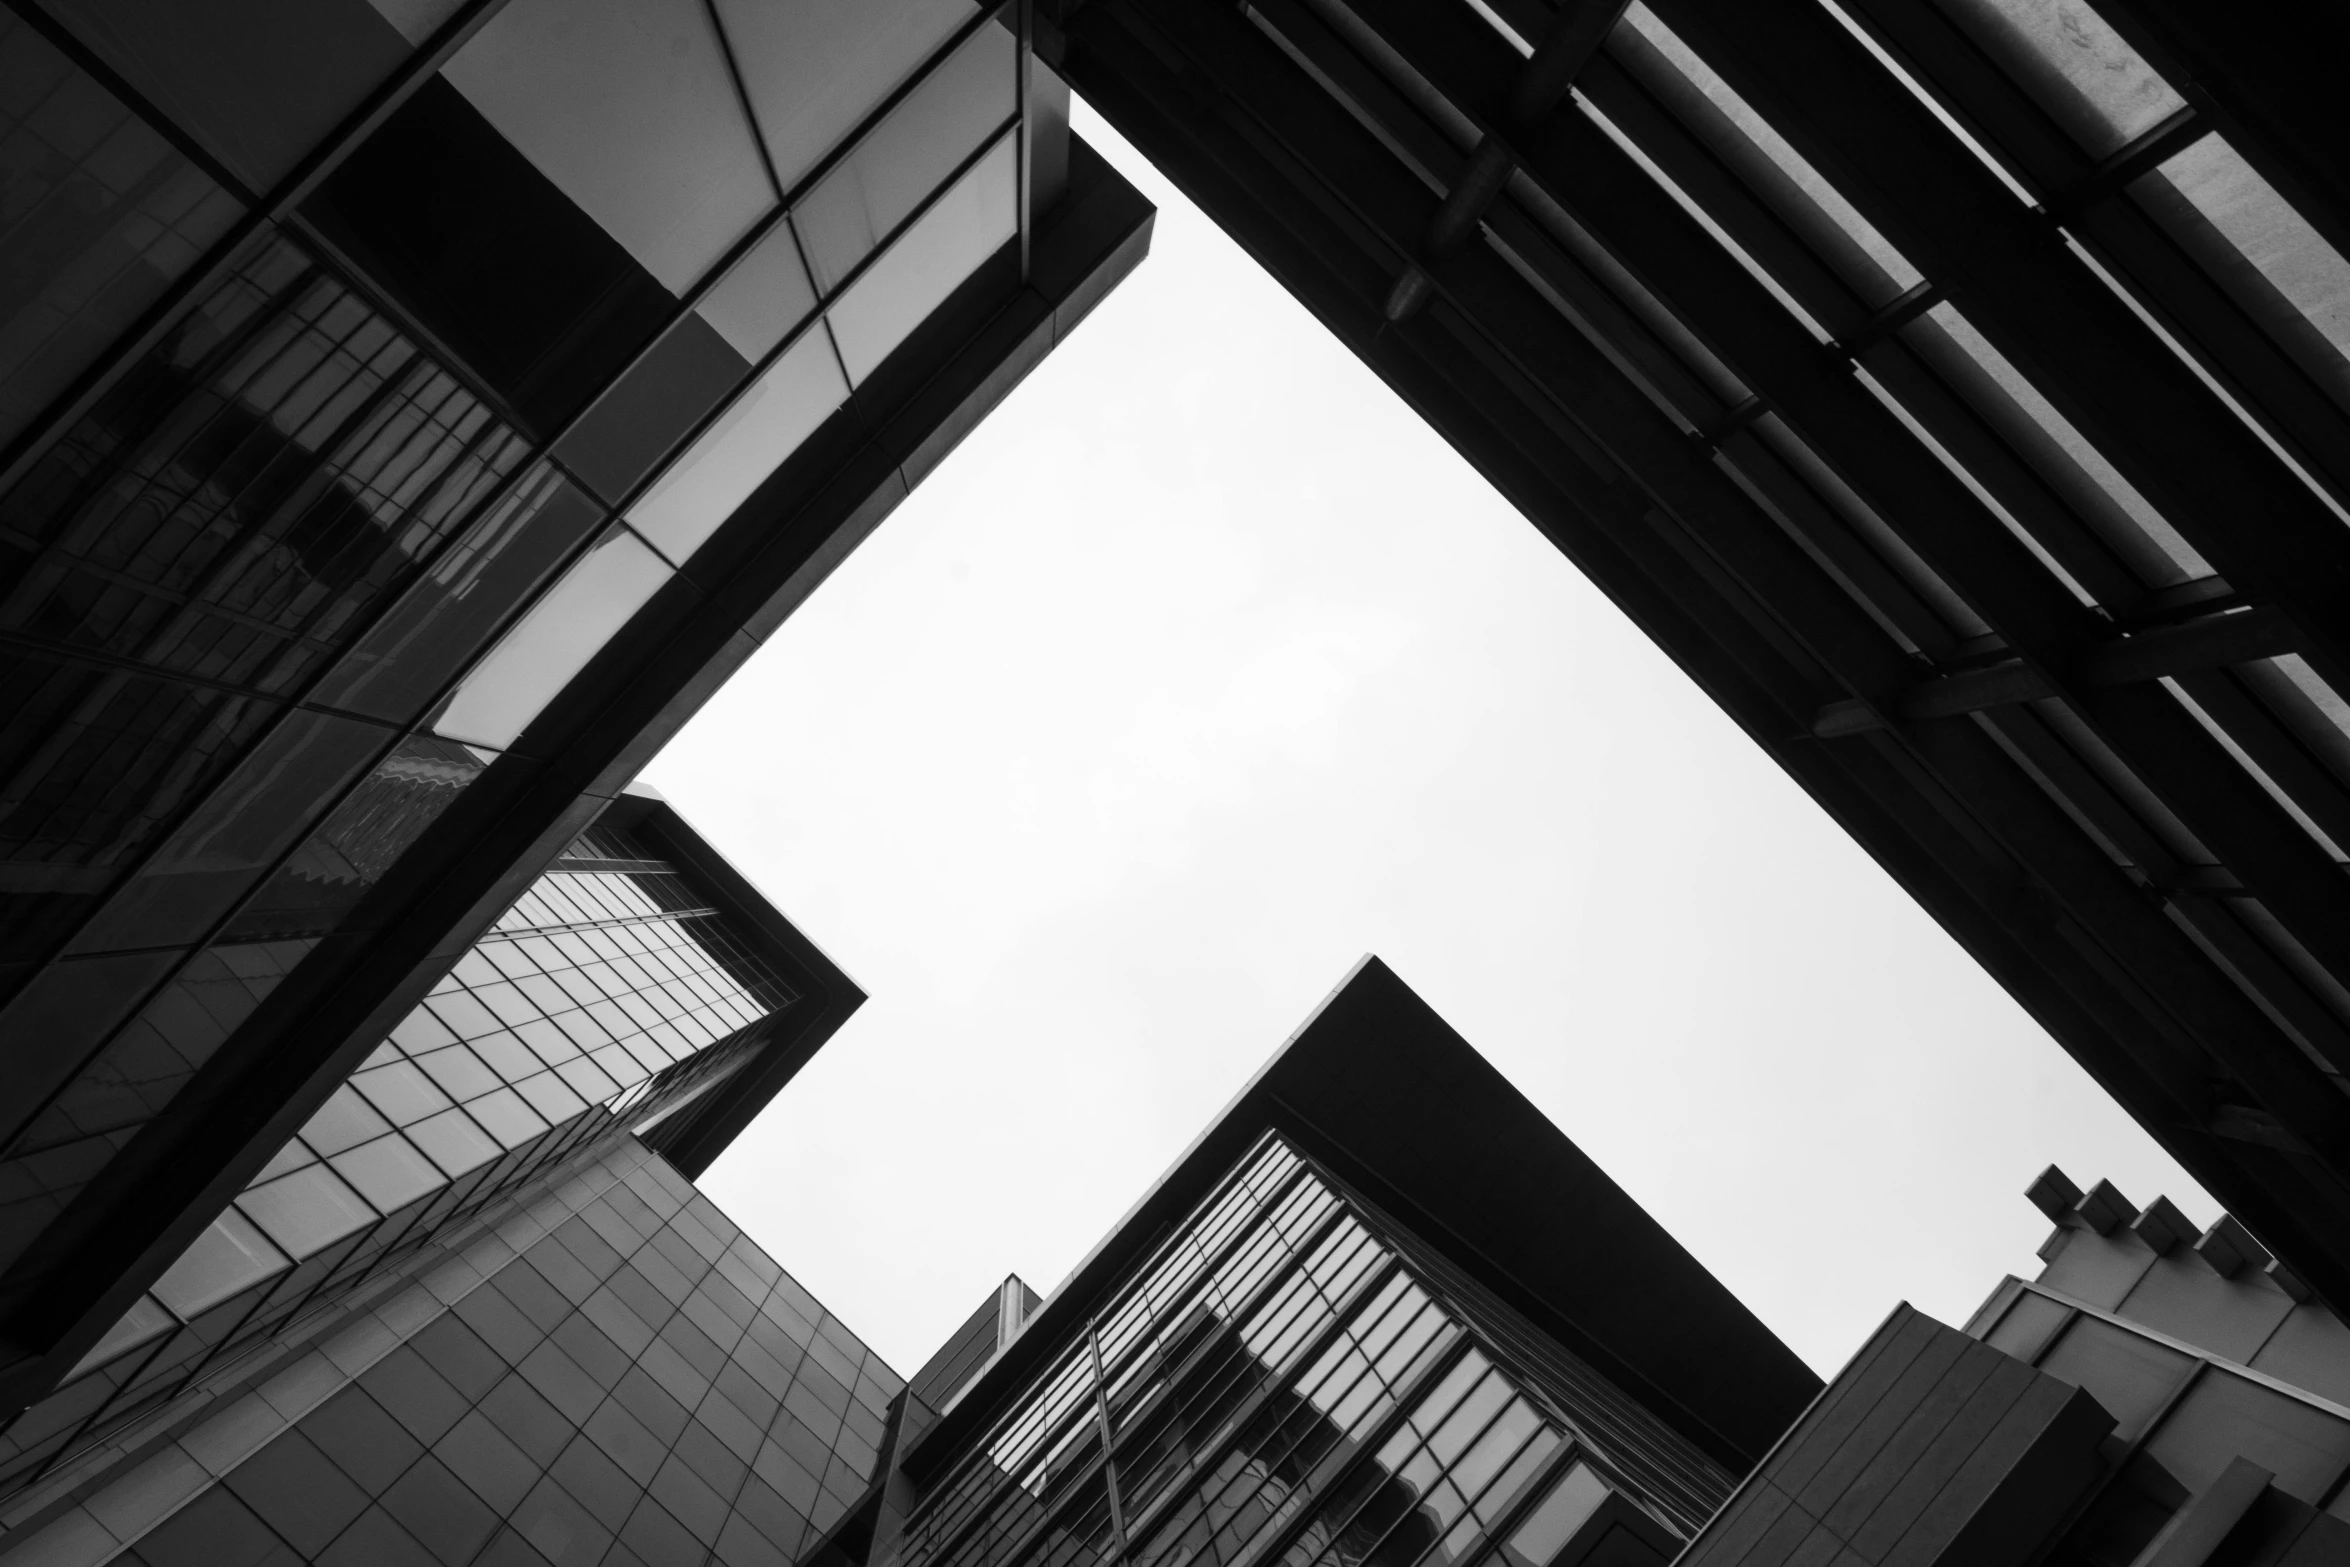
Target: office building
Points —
{"points": [[601, 1369], [1381, 1311], [1956, 389], [409, 412], [640, 996], [2156, 1397]]}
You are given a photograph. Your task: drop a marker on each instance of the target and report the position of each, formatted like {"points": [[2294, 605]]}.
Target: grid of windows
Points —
{"points": [[1280, 1382], [602, 1000], [287, 584], [642, 1385]]}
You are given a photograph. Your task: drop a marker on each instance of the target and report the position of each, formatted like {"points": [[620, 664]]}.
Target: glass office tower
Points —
{"points": [[409, 412], [632, 990], [1381, 1314]]}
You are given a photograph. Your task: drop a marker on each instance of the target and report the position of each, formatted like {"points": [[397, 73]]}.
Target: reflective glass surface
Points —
{"points": [[902, 160], [762, 297], [558, 635], [816, 68], [102, 215], [606, 997], [745, 444], [1278, 1384], [628, 107], [969, 223]]}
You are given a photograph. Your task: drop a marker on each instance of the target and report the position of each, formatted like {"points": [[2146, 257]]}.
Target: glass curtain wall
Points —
{"points": [[1280, 1383], [404, 462], [604, 1000]]}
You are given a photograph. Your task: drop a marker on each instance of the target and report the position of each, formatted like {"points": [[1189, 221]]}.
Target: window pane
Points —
{"points": [[344, 1121], [747, 443], [306, 1211], [628, 107], [141, 1323], [762, 297], [1555, 1519], [881, 183], [229, 1256], [388, 1172], [102, 216], [421, 643], [816, 68], [928, 262], [640, 416], [2083, 74], [251, 819], [565, 629], [455, 1143]]}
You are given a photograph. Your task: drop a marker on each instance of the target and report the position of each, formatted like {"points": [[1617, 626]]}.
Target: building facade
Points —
{"points": [[1959, 390], [639, 997], [408, 414], [1348, 1329]]}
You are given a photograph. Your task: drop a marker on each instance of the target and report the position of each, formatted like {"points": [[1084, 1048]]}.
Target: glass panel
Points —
{"points": [[2126, 1372], [306, 1211], [324, 880], [741, 448], [141, 1323], [444, 618], [553, 642], [928, 261], [2263, 227], [2090, 81], [1554, 1520], [248, 823], [816, 68], [879, 185], [762, 297], [454, 1141], [344, 1121], [229, 1256], [388, 1172], [662, 396], [101, 214], [629, 108]]}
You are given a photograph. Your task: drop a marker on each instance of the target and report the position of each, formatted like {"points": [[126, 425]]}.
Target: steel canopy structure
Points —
{"points": [[1954, 388]]}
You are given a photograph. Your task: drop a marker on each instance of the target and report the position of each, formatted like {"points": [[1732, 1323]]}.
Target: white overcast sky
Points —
{"points": [[1201, 669]]}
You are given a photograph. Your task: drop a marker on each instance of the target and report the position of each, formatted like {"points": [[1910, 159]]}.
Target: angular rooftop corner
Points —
{"points": [[1489, 1205]]}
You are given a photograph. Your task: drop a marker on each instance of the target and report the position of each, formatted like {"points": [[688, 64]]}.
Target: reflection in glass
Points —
{"points": [[2081, 71], [962, 101], [101, 216], [1554, 1521], [553, 642], [684, 375], [249, 821], [628, 107], [762, 297], [730, 459], [307, 1211], [928, 261], [323, 880], [815, 68]]}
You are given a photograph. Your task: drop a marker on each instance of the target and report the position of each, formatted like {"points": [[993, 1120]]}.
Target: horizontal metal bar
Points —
{"points": [[2212, 643]]}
